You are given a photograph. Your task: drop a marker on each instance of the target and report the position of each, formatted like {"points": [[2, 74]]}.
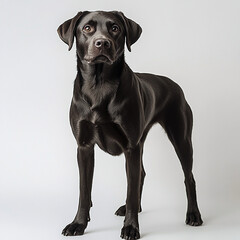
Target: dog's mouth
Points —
{"points": [[99, 59]]}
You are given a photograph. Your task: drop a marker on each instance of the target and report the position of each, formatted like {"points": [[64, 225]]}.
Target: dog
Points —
{"points": [[115, 108]]}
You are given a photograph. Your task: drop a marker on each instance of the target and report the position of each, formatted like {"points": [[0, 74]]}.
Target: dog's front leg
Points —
{"points": [[85, 158], [130, 229]]}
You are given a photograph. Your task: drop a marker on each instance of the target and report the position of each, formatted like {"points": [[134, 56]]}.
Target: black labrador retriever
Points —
{"points": [[115, 108]]}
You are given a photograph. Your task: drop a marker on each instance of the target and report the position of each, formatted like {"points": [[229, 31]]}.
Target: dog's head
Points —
{"points": [[100, 36]]}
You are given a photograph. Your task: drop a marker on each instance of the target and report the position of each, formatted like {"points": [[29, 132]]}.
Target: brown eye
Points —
{"points": [[115, 28], [87, 28]]}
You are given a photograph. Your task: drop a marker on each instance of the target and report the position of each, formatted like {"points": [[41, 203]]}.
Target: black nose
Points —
{"points": [[102, 43]]}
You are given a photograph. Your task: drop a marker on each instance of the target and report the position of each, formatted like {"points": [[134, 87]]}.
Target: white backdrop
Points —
{"points": [[196, 43]]}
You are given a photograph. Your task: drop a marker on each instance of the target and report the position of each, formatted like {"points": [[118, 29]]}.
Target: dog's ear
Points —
{"points": [[132, 30], [66, 30]]}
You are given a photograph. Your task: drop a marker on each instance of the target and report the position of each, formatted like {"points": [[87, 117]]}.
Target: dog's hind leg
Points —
{"points": [[178, 126]]}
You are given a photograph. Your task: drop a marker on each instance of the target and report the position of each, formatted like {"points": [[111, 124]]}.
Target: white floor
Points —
{"points": [[44, 218]]}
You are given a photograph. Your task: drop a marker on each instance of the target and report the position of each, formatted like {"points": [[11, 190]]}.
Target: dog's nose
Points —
{"points": [[102, 43]]}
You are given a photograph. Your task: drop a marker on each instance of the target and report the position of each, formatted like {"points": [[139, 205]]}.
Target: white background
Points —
{"points": [[196, 43]]}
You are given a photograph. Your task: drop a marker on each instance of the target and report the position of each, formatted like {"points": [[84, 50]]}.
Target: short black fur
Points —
{"points": [[115, 108]]}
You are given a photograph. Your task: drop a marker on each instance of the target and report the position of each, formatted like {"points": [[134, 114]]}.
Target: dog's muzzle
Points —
{"points": [[101, 50]]}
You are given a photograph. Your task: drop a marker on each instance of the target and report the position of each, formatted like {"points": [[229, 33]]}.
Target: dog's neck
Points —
{"points": [[97, 83], [95, 74]]}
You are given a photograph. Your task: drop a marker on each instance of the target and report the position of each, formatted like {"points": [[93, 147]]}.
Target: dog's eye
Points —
{"points": [[87, 28], [115, 28]]}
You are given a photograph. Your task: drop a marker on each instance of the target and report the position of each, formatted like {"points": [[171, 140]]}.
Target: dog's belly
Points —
{"points": [[109, 136]]}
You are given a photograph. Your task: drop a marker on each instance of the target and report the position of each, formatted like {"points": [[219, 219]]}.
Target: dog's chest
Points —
{"points": [[95, 124], [108, 135]]}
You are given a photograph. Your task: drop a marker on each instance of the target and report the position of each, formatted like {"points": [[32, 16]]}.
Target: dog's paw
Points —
{"points": [[194, 218], [130, 232], [122, 211], [74, 229]]}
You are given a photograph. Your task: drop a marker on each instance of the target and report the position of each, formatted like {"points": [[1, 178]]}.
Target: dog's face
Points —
{"points": [[100, 36]]}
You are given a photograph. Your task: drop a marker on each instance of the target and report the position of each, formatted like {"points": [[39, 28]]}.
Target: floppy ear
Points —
{"points": [[132, 29], [66, 30]]}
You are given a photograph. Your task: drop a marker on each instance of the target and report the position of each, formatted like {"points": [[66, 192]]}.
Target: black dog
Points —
{"points": [[115, 108]]}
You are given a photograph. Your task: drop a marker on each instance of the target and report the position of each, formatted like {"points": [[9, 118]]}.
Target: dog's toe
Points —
{"points": [[74, 229], [194, 218], [130, 232]]}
